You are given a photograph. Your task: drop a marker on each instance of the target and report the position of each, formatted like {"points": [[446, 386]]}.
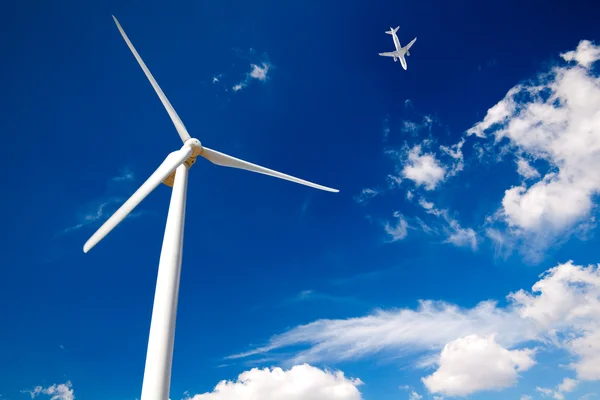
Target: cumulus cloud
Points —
{"points": [[562, 310], [301, 382], [423, 169], [465, 367], [585, 54], [553, 119], [567, 385], [63, 391]]}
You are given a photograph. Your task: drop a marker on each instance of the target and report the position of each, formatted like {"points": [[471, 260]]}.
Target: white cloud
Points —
{"points": [[456, 235], [258, 72], [301, 382], [414, 396], [462, 237], [585, 54], [562, 311], [397, 229], [401, 331], [526, 170], [567, 385], [393, 181], [544, 391], [63, 391], [414, 128], [526, 397], [455, 152], [556, 120], [465, 367], [423, 169]]}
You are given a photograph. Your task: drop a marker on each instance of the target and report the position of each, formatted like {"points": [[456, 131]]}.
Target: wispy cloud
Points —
{"points": [[365, 195], [100, 209], [398, 228], [386, 127], [566, 386], [455, 234]]}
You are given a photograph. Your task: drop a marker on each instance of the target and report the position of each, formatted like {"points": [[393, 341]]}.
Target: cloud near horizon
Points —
{"points": [[561, 311], [301, 382], [63, 391]]}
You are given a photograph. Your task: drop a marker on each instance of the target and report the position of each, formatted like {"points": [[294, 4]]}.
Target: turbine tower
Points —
{"points": [[172, 172]]}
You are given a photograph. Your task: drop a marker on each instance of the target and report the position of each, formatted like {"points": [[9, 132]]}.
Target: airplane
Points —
{"points": [[400, 51]]}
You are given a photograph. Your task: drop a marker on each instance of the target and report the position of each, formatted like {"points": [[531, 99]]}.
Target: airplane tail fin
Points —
{"points": [[392, 30]]}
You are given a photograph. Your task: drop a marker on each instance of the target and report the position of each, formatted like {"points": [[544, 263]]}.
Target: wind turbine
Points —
{"points": [[172, 172]]}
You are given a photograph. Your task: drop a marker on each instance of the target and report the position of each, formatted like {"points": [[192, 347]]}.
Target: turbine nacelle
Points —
{"points": [[196, 148]]}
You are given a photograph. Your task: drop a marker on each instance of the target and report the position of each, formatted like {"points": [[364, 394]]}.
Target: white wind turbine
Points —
{"points": [[172, 172]]}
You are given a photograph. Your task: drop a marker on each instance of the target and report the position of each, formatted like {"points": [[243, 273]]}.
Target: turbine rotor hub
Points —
{"points": [[194, 144], [196, 147]]}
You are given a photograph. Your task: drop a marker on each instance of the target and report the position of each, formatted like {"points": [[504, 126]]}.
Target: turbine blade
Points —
{"points": [[170, 164], [227, 161], [183, 133]]}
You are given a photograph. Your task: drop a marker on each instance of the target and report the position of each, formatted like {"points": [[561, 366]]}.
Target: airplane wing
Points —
{"points": [[388, 54], [408, 46]]}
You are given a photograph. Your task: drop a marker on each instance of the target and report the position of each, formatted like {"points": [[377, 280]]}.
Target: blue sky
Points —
{"points": [[467, 184]]}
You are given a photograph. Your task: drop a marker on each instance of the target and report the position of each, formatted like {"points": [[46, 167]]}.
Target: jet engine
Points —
{"points": [[395, 59], [407, 53]]}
